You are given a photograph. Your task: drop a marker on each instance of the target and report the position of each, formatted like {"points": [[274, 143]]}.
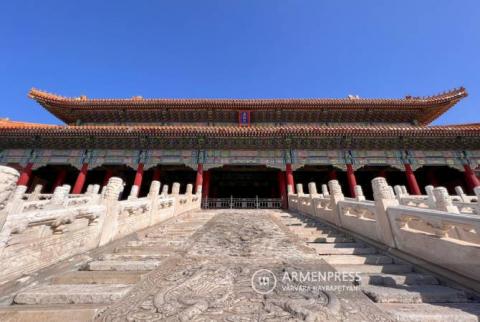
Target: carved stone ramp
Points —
{"points": [[214, 279], [395, 286]]}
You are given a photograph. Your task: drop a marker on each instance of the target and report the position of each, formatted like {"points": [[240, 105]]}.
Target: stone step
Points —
{"points": [[342, 239], [414, 294], [143, 250], [357, 259], [97, 277], [49, 313], [153, 243], [386, 268], [396, 280], [124, 265], [342, 249], [451, 312], [73, 294], [129, 256]]}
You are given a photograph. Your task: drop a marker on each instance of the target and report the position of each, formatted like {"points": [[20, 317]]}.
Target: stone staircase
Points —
{"points": [[395, 286], [79, 295]]}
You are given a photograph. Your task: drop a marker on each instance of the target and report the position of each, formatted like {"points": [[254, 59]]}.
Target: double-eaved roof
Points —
{"points": [[276, 123], [413, 110]]}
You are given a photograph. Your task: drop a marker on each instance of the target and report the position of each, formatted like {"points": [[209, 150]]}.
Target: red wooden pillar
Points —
{"points": [[289, 173], [431, 177], [352, 181], [332, 174], [206, 184], [199, 178], [82, 175], [138, 176], [25, 175], [282, 187], [108, 175], [382, 173], [412, 180], [471, 177], [60, 180], [156, 174]]}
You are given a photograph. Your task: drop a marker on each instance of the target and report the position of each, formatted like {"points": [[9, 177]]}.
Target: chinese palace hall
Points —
{"points": [[244, 148]]}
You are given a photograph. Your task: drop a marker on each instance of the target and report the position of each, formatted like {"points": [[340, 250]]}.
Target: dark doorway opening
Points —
{"points": [[244, 182]]}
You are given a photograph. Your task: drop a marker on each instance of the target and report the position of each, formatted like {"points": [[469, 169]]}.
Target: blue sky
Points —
{"points": [[238, 49]]}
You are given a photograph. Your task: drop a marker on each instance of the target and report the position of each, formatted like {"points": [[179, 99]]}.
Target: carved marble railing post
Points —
{"points": [[404, 190], [133, 192], [290, 190], [325, 192], [89, 189], [461, 194], [35, 193], [176, 189], [165, 190], [312, 189], [443, 201], [9, 192], [112, 193], [58, 198], [398, 191], [359, 196], [189, 190], [430, 197], [299, 189], [384, 198], [153, 195], [336, 195], [476, 190]]}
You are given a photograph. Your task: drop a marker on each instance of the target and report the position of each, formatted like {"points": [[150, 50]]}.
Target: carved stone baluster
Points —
{"points": [[176, 189], [10, 194], [384, 198], [110, 199], [461, 194], [299, 189], [476, 190], [165, 190], [154, 200], [359, 196], [325, 191], [189, 189], [443, 201], [430, 197], [36, 193], [336, 195]]}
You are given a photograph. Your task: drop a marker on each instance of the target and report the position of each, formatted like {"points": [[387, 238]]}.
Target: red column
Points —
{"points": [[412, 180], [62, 173], [156, 174], [332, 174], [352, 181], [382, 173], [199, 179], [431, 177], [138, 176], [206, 184], [108, 175], [471, 177], [289, 174], [82, 175], [25, 175], [282, 187]]}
